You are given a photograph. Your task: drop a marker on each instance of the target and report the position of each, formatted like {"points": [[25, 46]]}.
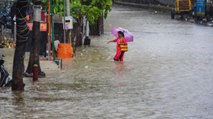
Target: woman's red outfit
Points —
{"points": [[119, 56]]}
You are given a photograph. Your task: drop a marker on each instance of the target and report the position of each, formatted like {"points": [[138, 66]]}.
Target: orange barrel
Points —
{"points": [[64, 51]]}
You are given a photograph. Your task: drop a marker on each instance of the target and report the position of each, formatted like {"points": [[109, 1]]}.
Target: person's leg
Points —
{"points": [[1, 79], [117, 56], [122, 56], [3, 75], [116, 59]]}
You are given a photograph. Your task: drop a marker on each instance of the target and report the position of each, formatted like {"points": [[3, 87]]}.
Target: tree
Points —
{"points": [[22, 38], [36, 36], [97, 28], [80, 9], [92, 9]]}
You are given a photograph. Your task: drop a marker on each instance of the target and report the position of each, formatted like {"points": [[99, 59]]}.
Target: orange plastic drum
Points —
{"points": [[65, 51]]}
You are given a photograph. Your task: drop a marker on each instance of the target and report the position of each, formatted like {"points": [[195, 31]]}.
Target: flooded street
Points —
{"points": [[167, 74]]}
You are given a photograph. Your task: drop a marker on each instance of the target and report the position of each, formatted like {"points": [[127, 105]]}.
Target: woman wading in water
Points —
{"points": [[121, 47]]}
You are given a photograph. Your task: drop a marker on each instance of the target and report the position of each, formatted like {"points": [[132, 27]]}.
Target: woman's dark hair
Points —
{"points": [[121, 33]]}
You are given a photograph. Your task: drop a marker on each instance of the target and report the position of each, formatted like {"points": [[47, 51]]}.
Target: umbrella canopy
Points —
{"points": [[128, 35]]}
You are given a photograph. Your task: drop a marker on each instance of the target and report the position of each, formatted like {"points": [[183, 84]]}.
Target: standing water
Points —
{"points": [[167, 74]]}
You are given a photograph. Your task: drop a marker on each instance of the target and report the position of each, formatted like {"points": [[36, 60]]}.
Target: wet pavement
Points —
{"points": [[167, 74]]}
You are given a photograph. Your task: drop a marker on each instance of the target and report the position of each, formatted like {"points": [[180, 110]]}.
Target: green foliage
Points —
{"points": [[45, 4], [79, 10], [103, 5], [58, 6], [92, 9]]}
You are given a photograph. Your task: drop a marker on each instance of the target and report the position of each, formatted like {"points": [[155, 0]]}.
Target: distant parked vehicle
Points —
{"points": [[182, 7], [209, 9], [200, 9]]}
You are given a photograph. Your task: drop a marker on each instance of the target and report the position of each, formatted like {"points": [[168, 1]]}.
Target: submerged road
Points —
{"points": [[167, 74]]}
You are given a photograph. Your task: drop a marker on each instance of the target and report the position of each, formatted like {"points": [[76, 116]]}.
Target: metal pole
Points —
{"points": [[68, 14], [49, 30], [53, 34], [64, 23], [68, 7], [14, 32]]}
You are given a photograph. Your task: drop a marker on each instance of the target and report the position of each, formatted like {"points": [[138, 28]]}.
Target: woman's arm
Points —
{"points": [[109, 41], [115, 40]]}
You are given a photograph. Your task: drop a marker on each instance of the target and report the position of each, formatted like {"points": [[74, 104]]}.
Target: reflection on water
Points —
{"points": [[18, 103], [119, 67]]}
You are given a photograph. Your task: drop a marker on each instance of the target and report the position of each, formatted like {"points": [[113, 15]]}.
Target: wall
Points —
{"points": [[166, 2]]}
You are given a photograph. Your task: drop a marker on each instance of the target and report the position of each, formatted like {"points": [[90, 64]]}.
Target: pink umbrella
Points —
{"points": [[128, 35]]}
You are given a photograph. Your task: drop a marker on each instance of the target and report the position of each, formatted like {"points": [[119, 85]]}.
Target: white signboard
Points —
{"points": [[68, 22]]}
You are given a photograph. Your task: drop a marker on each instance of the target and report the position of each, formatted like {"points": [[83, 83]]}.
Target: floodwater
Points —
{"points": [[167, 74]]}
